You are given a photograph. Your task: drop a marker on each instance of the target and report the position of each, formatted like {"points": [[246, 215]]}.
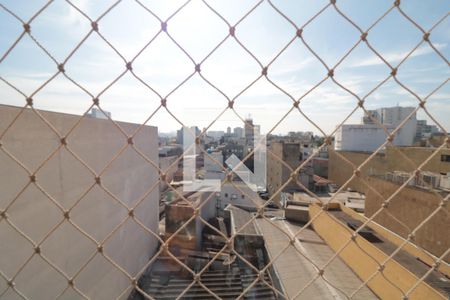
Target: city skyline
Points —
{"points": [[371, 118]]}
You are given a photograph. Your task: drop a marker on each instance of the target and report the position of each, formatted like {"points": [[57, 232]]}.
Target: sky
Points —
{"points": [[198, 30]]}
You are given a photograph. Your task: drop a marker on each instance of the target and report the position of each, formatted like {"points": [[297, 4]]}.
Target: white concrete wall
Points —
{"points": [[395, 116], [368, 137], [65, 179], [359, 138]]}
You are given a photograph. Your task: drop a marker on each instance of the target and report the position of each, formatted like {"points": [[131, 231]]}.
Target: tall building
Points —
{"points": [[249, 136], [238, 132], [228, 130], [180, 136], [248, 130], [395, 116]]}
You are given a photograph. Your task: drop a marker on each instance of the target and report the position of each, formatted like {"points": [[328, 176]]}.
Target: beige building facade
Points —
{"points": [[407, 210], [279, 156], [405, 159]]}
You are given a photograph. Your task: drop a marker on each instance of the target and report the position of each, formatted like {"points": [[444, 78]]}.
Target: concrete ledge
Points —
{"points": [[365, 259], [412, 249]]}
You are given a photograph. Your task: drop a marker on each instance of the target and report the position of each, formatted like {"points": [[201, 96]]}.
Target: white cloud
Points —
{"points": [[394, 57]]}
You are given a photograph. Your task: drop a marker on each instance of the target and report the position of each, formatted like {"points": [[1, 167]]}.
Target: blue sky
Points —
{"points": [[128, 27]]}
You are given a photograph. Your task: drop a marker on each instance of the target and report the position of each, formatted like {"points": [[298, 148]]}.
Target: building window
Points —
{"points": [[445, 158], [226, 195], [242, 196]]}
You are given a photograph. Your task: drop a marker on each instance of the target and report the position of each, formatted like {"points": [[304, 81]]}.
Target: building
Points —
{"points": [[214, 161], [238, 132], [320, 166], [371, 117], [395, 116], [170, 150], [408, 209], [216, 134], [300, 135], [69, 182], [237, 194], [249, 133], [278, 173], [213, 165], [98, 114], [230, 274], [168, 156], [393, 159], [178, 212], [237, 148], [369, 136], [361, 137], [228, 130], [425, 131], [257, 130], [168, 165], [180, 132]]}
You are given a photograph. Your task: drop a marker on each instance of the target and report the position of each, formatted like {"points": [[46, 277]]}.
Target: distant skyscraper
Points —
{"points": [[228, 130], [238, 132], [180, 136], [248, 128]]}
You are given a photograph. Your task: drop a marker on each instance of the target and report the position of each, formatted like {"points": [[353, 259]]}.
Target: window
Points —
{"points": [[445, 158]]}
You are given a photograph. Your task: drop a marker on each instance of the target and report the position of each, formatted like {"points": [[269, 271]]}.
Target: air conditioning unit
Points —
{"points": [[445, 182], [400, 177], [429, 180]]}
